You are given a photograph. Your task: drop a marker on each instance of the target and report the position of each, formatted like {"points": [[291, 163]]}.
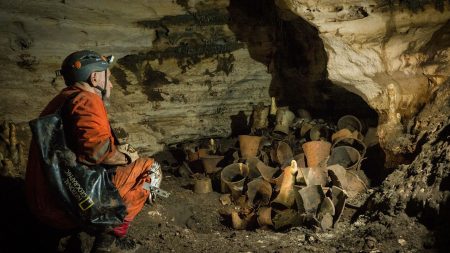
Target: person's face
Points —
{"points": [[98, 79], [109, 85]]}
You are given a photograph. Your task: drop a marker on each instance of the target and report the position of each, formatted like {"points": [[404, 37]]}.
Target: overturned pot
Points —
{"points": [[210, 163], [260, 117], [350, 122], [284, 120], [346, 156], [202, 185], [316, 152], [249, 145]]}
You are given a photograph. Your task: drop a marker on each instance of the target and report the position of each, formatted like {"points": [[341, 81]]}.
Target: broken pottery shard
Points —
{"points": [[237, 221], [300, 158], [327, 221], [346, 180], [260, 113], [265, 216], [325, 207], [317, 176], [354, 185], [264, 157], [306, 126], [284, 153], [325, 213], [302, 176], [236, 157], [338, 197], [350, 122], [253, 173], [284, 218], [259, 192], [337, 174], [267, 172], [284, 119], [310, 199], [353, 142], [252, 162]]}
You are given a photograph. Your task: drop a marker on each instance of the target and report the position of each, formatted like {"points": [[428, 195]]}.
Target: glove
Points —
{"points": [[155, 176], [129, 151]]}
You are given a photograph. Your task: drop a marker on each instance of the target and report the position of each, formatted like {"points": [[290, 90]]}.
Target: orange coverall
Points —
{"points": [[88, 133]]}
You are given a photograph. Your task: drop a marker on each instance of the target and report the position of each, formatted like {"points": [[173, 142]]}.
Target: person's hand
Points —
{"points": [[129, 151]]}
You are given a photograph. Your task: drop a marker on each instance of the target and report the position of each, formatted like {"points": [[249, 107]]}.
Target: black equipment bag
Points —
{"points": [[87, 192]]}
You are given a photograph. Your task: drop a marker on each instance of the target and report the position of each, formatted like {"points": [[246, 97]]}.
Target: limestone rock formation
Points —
{"points": [[422, 188], [393, 57]]}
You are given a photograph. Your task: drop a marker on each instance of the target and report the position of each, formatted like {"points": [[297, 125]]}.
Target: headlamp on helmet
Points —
{"points": [[78, 66]]}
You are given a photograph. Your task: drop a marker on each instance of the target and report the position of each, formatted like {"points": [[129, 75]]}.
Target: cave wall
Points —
{"points": [[422, 188], [393, 56], [180, 73], [188, 69]]}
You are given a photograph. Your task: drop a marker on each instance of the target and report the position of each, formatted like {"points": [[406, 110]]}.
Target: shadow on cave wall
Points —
{"points": [[294, 54]]}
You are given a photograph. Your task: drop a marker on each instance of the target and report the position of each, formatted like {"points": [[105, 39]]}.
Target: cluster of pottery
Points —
{"points": [[305, 189], [294, 172]]}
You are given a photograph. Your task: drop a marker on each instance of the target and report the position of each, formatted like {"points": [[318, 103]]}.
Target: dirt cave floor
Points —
{"points": [[191, 222]]}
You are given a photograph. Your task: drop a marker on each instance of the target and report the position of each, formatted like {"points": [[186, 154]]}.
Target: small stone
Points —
{"points": [[310, 238], [301, 238], [370, 243], [154, 213], [225, 199]]}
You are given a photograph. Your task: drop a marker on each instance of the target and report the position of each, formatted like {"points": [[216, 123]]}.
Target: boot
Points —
{"points": [[107, 242], [103, 243]]}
